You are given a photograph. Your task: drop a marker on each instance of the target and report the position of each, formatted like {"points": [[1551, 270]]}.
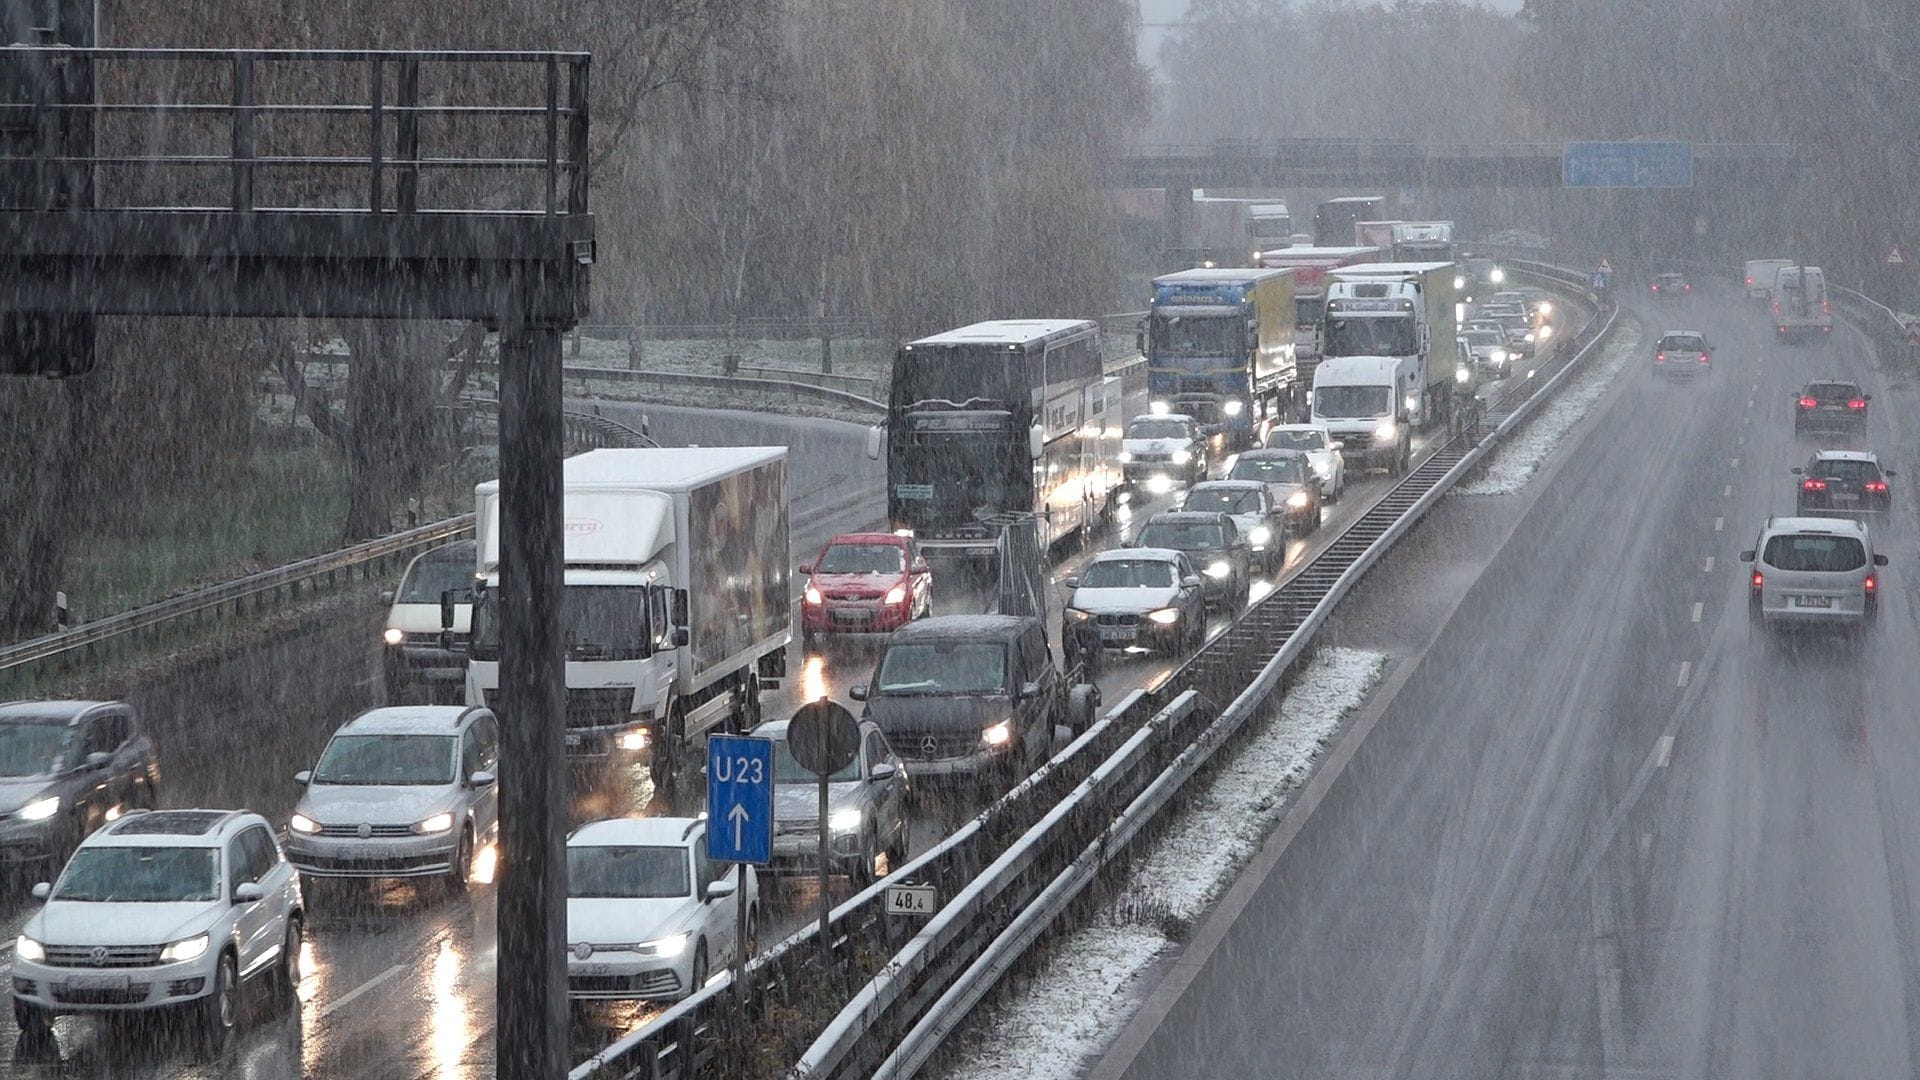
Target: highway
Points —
{"points": [[1599, 825]]}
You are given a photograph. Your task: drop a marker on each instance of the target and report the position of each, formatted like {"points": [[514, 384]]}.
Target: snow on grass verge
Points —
{"points": [[1521, 455], [1075, 1005]]}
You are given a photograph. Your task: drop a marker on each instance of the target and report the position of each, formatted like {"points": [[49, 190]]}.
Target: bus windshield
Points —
{"points": [[961, 376]]}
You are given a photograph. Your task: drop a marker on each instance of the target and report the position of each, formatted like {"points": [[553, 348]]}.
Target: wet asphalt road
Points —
{"points": [[1606, 828]]}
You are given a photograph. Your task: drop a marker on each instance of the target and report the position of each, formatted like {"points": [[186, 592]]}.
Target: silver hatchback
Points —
{"points": [[1814, 572]]}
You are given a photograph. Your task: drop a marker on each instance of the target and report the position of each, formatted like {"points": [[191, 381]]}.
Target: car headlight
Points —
{"points": [[1218, 569], [1232, 408], [812, 596], [40, 809], [1413, 402], [1545, 332], [1159, 484], [1499, 356], [999, 734], [1546, 307], [1387, 430], [1181, 457], [1158, 408], [434, 825], [1259, 535], [26, 948], [897, 594], [845, 820], [1459, 281], [1126, 456], [394, 635], [185, 949], [1497, 276], [1298, 500], [634, 740], [1165, 616], [1076, 615], [1462, 375], [301, 823], [666, 947], [1529, 335]]}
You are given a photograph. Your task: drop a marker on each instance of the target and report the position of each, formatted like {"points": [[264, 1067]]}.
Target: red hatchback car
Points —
{"points": [[865, 583]]}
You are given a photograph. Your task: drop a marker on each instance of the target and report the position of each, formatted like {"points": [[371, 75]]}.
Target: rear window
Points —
{"points": [[1682, 343], [1816, 553], [1846, 470], [1832, 391]]}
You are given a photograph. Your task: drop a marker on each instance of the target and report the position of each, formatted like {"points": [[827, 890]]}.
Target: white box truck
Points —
{"points": [[1801, 308], [1391, 327], [677, 610]]}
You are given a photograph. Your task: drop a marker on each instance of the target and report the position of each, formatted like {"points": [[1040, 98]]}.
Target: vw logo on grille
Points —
{"points": [[365, 830], [929, 746], [98, 956], [583, 950]]}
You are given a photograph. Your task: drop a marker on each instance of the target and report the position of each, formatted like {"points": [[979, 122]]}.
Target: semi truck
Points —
{"points": [[1220, 348], [1423, 241], [1375, 234], [1310, 266], [1388, 360], [676, 611]]}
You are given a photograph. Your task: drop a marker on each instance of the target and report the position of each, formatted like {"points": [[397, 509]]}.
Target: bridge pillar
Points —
{"points": [[1178, 236]]}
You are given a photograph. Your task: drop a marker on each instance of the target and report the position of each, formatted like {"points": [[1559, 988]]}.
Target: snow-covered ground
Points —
{"points": [[1517, 459], [1073, 1007]]}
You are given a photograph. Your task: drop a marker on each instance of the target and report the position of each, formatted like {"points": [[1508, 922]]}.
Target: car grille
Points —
{"points": [[353, 831], [115, 956], [134, 994], [395, 865], [1117, 620], [599, 707], [650, 983], [934, 746], [1151, 459]]}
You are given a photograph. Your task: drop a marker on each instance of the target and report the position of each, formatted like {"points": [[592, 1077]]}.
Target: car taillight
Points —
{"points": [[1870, 583], [1812, 484], [1703, 358], [1857, 403], [1655, 287], [1688, 287], [1776, 310], [1749, 280], [1808, 403], [1757, 579], [1659, 358], [1826, 308], [1878, 487]]}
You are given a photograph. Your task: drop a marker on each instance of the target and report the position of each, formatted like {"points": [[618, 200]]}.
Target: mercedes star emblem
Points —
{"points": [[365, 830], [583, 950], [929, 746]]}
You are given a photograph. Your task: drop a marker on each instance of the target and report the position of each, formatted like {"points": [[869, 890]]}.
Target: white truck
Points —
{"points": [[676, 612], [1388, 363], [1423, 241], [1801, 308], [1758, 276]]}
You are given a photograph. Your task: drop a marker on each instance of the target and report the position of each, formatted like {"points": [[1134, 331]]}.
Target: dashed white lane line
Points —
{"points": [[1698, 610], [1709, 566], [1663, 752], [1686, 672], [1726, 491], [354, 994], [1736, 461], [1756, 389], [1719, 523]]}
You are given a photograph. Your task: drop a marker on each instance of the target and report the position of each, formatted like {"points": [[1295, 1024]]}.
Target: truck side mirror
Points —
{"points": [[681, 636], [386, 596], [874, 435], [446, 609], [680, 608], [1036, 441]]}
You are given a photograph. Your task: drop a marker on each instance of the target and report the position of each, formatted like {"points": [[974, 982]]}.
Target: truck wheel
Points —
{"points": [[747, 716], [661, 767]]}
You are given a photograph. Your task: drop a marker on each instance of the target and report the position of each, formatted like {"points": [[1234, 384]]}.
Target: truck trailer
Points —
{"points": [[1220, 348], [1310, 266]]}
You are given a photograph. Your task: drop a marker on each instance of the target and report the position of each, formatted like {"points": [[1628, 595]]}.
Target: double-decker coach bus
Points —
{"points": [[998, 419]]}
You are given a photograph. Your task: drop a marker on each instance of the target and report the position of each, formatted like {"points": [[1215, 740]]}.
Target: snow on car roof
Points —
{"points": [[1833, 526], [204, 826], [634, 832], [1151, 554], [1846, 455], [407, 720], [949, 627]]}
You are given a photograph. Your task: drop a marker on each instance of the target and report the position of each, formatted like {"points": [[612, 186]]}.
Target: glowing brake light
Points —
{"points": [[1688, 287], [1813, 483], [1808, 403], [1878, 487], [1826, 307], [1749, 279], [1870, 583], [1654, 287], [1703, 358], [1857, 403], [1757, 579], [1659, 358]]}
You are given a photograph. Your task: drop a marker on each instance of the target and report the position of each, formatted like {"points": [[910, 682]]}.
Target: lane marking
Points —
{"points": [[1749, 403], [1663, 752], [1756, 389], [354, 994], [1698, 609], [1741, 441], [1726, 491], [1709, 566], [1719, 523], [1686, 672], [1736, 461]]}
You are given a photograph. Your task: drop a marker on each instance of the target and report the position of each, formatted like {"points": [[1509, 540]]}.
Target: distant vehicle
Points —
{"points": [[1213, 544], [172, 909], [1482, 275], [1814, 571], [1361, 400], [648, 914], [1758, 276], [1333, 220], [1323, 452], [1801, 308], [1830, 405], [1159, 451], [1427, 241], [1140, 598], [402, 792], [66, 769], [1532, 302], [1844, 482], [1248, 502], [414, 658], [1682, 352], [1269, 226], [1671, 288], [1310, 266], [1290, 483], [1487, 344], [865, 583], [968, 696], [866, 809], [1516, 324]]}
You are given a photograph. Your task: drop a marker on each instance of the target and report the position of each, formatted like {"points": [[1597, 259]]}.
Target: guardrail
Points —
{"points": [[255, 593], [1017, 866]]}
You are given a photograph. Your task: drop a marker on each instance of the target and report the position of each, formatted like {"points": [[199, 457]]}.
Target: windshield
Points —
{"points": [[1128, 574], [1269, 470], [1159, 429], [1379, 335], [1816, 553], [628, 873], [956, 375], [943, 667], [1199, 336], [386, 759], [599, 622], [1487, 338], [862, 559], [1182, 536], [1296, 440], [1345, 402], [1223, 501], [788, 771], [32, 748], [142, 875], [437, 572], [1842, 469]]}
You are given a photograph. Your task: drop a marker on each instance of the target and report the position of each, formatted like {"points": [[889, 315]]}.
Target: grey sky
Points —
{"points": [[1155, 14]]}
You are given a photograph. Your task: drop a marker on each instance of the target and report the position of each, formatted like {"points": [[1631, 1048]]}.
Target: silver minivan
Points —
{"points": [[1813, 571]]}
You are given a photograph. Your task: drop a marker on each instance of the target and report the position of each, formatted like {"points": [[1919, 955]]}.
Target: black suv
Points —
{"points": [[969, 696], [1844, 482], [1830, 405], [67, 768]]}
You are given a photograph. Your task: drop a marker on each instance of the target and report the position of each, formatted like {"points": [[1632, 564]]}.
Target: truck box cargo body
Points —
{"points": [[1399, 311], [1801, 308], [1220, 348], [1310, 266], [1375, 234], [658, 541], [1423, 241]]}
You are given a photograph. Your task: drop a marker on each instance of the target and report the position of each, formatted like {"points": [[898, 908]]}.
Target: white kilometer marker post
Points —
{"points": [[1726, 491]]}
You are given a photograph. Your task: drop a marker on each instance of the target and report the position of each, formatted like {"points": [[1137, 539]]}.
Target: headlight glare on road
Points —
{"points": [[185, 949], [26, 948], [1158, 408], [1298, 500], [1218, 569], [1497, 276], [1545, 332], [40, 809], [1159, 484], [999, 734], [434, 825], [1461, 375], [845, 820], [1165, 616], [301, 823]]}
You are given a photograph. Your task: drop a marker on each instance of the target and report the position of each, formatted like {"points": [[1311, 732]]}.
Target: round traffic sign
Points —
{"points": [[823, 737]]}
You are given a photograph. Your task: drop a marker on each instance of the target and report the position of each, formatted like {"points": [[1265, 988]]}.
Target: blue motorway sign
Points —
{"points": [[739, 799], [1627, 164]]}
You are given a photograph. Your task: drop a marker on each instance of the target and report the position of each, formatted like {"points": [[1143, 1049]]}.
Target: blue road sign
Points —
{"points": [[739, 799], [1627, 164]]}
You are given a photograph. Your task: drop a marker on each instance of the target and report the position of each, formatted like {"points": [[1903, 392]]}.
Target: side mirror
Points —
{"points": [[1071, 582], [1879, 560], [99, 759], [805, 568], [1030, 690], [1746, 556], [386, 596], [42, 890], [874, 436], [1866, 397], [1336, 445], [1888, 472], [303, 777], [1796, 470], [481, 779], [681, 637], [1036, 441], [1191, 581], [885, 770], [248, 892], [721, 889], [920, 566], [680, 608], [446, 610], [857, 693]]}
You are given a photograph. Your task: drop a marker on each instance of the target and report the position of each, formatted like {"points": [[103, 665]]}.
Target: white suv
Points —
{"points": [[648, 914], [161, 909], [404, 791], [1814, 571]]}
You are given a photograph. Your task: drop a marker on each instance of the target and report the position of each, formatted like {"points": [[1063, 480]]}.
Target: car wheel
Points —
{"points": [[462, 869], [697, 974], [220, 1010], [286, 984]]}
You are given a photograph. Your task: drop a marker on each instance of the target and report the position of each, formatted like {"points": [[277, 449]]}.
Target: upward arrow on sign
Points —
{"points": [[738, 816]]}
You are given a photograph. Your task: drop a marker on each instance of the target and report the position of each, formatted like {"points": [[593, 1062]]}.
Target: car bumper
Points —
{"points": [[853, 617], [973, 763], [1681, 371], [1866, 504], [352, 857], [1830, 421], [26, 841], [799, 853], [1144, 634], [65, 990], [625, 976]]}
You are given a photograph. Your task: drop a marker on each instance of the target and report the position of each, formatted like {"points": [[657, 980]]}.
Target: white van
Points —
{"points": [[1814, 571], [413, 658], [1800, 305], [1758, 277]]}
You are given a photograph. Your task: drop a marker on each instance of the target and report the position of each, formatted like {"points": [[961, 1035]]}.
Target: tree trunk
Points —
{"points": [[390, 399], [57, 502]]}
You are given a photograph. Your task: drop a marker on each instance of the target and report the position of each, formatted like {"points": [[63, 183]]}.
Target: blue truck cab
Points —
{"points": [[1220, 348]]}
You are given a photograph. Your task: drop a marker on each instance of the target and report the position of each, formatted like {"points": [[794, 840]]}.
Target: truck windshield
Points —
{"points": [[597, 622], [1344, 402], [1197, 336], [437, 572], [944, 667], [1378, 335]]}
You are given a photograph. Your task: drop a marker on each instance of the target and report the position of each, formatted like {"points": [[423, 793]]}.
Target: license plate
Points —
{"points": [[97, 982], [592, 969], [1813, 601], [361, 854], [1845, 498], [854, 616], [1116, 633]]}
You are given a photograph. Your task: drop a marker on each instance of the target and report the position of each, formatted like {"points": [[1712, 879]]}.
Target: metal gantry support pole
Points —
{"points": [[531, 994]]}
